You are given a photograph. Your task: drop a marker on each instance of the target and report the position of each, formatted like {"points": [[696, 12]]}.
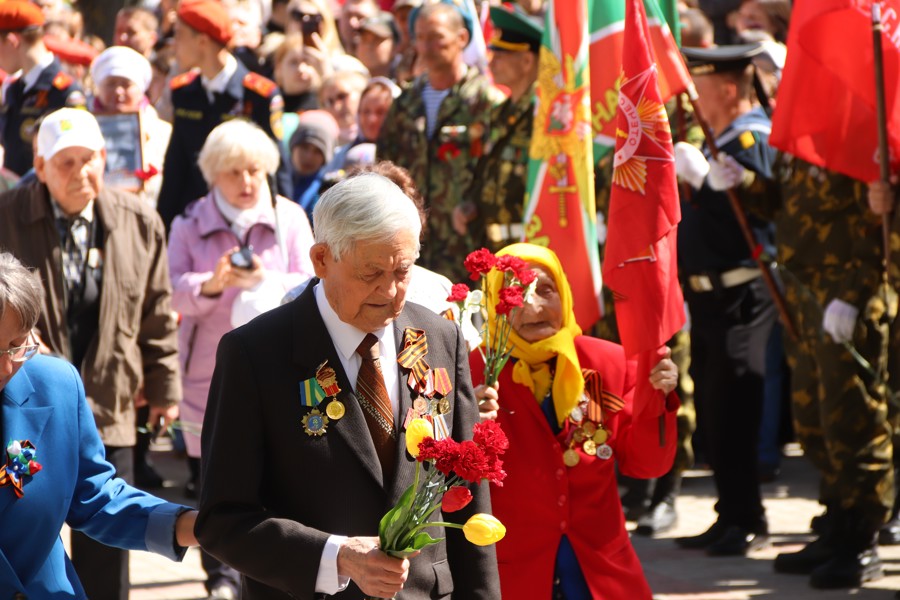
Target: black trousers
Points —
{"points": [[103, 570], [729, 331]]}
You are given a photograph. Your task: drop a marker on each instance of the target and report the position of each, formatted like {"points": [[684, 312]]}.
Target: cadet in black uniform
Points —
{"points": [[36, 85], [217, 89], [731, 310]]}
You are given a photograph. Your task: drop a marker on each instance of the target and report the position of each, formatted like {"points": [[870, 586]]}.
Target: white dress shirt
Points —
{"points": [[346, 339], [220, 82]]}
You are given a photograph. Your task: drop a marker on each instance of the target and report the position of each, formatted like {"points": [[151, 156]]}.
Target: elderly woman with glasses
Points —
{"points": [[565, 402], [53, 469]]}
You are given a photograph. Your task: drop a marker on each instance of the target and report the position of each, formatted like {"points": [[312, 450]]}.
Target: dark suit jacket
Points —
{"points": [[273, 494]]}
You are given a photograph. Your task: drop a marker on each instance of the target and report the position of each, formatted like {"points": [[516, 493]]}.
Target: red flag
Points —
{"points": [[640, 265], [826, 102]]}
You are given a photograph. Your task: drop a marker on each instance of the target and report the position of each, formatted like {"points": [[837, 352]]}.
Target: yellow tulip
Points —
{"points": [[483, 529], [418, 430]]}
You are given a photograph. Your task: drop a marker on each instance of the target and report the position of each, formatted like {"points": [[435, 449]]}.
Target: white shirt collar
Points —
{"points": [[346, 337], [220, 81], [31, 77], [87, 212]]}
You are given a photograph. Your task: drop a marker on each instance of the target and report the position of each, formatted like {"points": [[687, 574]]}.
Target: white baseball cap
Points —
{"points": [[67, 128]]}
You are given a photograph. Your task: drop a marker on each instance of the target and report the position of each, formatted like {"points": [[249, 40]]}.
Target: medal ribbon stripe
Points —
{"points": [[593, 387], [412, 357], [311, 393]]}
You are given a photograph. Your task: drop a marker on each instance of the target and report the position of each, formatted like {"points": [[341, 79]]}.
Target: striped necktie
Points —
{"points": [[376, 404]]}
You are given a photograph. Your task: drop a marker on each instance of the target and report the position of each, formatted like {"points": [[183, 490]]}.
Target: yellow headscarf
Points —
{"points": [[532, 369]]}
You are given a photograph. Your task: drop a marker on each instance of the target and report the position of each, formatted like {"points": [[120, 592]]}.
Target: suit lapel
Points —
{"points": [[312, 346], [406, 465]]}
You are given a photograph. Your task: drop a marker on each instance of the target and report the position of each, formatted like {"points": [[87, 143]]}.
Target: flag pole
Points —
{"points": [[881, 111], [741, 216]]}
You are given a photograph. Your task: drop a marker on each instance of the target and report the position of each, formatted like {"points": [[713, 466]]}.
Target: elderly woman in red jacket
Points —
{"points": [[565, 401]]}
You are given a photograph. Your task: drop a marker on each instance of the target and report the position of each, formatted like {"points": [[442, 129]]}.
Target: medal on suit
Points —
{"points": [[327, 379], [315, 423]]}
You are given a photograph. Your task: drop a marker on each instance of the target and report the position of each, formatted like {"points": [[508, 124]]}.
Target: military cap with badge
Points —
{"points": [[514, 31]]}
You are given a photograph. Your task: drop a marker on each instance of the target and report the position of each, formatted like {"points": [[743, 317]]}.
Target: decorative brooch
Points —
{"points": [[314, 391], [431, 385], [19, 463]]}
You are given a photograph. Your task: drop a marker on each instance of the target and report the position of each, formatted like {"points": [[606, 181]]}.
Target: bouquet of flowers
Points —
{"points": [[517, 288], [449, 467]]}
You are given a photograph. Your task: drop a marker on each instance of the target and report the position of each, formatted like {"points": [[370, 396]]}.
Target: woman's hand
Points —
{"points": [[664, 376], [216, 284], [184, 529], [248, 278], [487, 402]]}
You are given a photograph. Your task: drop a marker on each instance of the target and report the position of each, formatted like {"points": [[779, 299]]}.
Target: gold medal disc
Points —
{"points": [[578, 436], [335, 409], [571, 458], [589, 429], [444, 406], [589, 447], [600, 437]]}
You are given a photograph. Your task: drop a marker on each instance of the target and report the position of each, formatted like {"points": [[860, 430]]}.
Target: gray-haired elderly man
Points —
{"points": [[293, 487]]}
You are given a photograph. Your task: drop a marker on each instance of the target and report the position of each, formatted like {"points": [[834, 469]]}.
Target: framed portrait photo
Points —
{"points": [[124, 150]]}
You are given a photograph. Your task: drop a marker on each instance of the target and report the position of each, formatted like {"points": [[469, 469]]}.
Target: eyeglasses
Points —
{"points": [[21, 353], [298, 15]]}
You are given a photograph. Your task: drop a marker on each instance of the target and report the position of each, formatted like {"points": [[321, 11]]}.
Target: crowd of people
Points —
{"points": [[210, 204]]}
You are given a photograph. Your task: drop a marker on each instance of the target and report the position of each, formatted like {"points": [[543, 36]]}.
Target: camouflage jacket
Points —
{"points": [[498, 189], [823, 226], [442, 166]]}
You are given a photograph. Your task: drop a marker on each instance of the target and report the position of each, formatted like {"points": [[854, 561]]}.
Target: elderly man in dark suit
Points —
{"points": [[294, 486]]}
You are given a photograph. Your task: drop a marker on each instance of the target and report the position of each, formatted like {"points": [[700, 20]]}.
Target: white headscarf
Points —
{"points": [[121, 61]]}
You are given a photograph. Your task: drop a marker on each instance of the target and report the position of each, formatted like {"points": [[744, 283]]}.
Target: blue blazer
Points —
{"points": [[44, 403]]}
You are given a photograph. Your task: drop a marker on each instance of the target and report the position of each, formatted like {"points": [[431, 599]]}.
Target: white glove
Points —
{"points": [[725, 173], [690, 164], [840, 320]]}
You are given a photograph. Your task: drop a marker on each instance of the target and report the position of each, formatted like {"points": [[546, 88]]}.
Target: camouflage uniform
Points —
{"points": [[498, 189], [442, 166], [828, 247]]}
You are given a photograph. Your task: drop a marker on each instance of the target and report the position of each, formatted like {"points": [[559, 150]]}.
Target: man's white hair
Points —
{"points": [[366, 207]]}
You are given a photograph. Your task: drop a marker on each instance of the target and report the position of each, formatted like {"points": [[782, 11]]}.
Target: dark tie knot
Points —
{"points": [[368, 348]]}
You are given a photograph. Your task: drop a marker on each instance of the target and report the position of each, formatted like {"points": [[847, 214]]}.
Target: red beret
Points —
{"points": [[208, 17], [70, 50], [16, 15]]}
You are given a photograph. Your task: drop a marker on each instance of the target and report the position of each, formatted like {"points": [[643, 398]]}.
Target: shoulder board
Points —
{"points": [[259, 84], [182, 80], [62, 80]]}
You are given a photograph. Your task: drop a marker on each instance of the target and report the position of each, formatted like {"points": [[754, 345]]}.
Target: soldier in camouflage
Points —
{"points": [[493, 209], [437, 129], [828, 249]]}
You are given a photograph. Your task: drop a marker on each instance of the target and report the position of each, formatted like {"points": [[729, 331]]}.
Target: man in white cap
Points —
{"points": [[101, 256]]}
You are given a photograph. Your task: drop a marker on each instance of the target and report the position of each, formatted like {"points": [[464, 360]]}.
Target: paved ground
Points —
{"points": [[674, 574]]}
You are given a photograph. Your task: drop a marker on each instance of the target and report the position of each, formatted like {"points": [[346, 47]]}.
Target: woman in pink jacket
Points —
{"points": [[232, 255]]}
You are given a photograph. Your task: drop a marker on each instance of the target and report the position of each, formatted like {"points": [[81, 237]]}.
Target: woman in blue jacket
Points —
{"points": [[52, 466]]}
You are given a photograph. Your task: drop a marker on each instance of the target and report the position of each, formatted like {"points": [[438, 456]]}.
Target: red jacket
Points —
{"points": [[542, 499]]}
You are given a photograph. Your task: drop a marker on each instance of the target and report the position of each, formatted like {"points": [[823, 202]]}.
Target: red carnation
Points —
{"points": [[526, 275], [510, 298], [510, 263], [455, 498], [458, 293], [448, 151], [472, 463], [479, 262], [490, 436], [443, 453]]}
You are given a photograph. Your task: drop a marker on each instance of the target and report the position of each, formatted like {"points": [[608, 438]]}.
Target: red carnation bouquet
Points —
{"points": [[518, 285], [449, 466]]}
